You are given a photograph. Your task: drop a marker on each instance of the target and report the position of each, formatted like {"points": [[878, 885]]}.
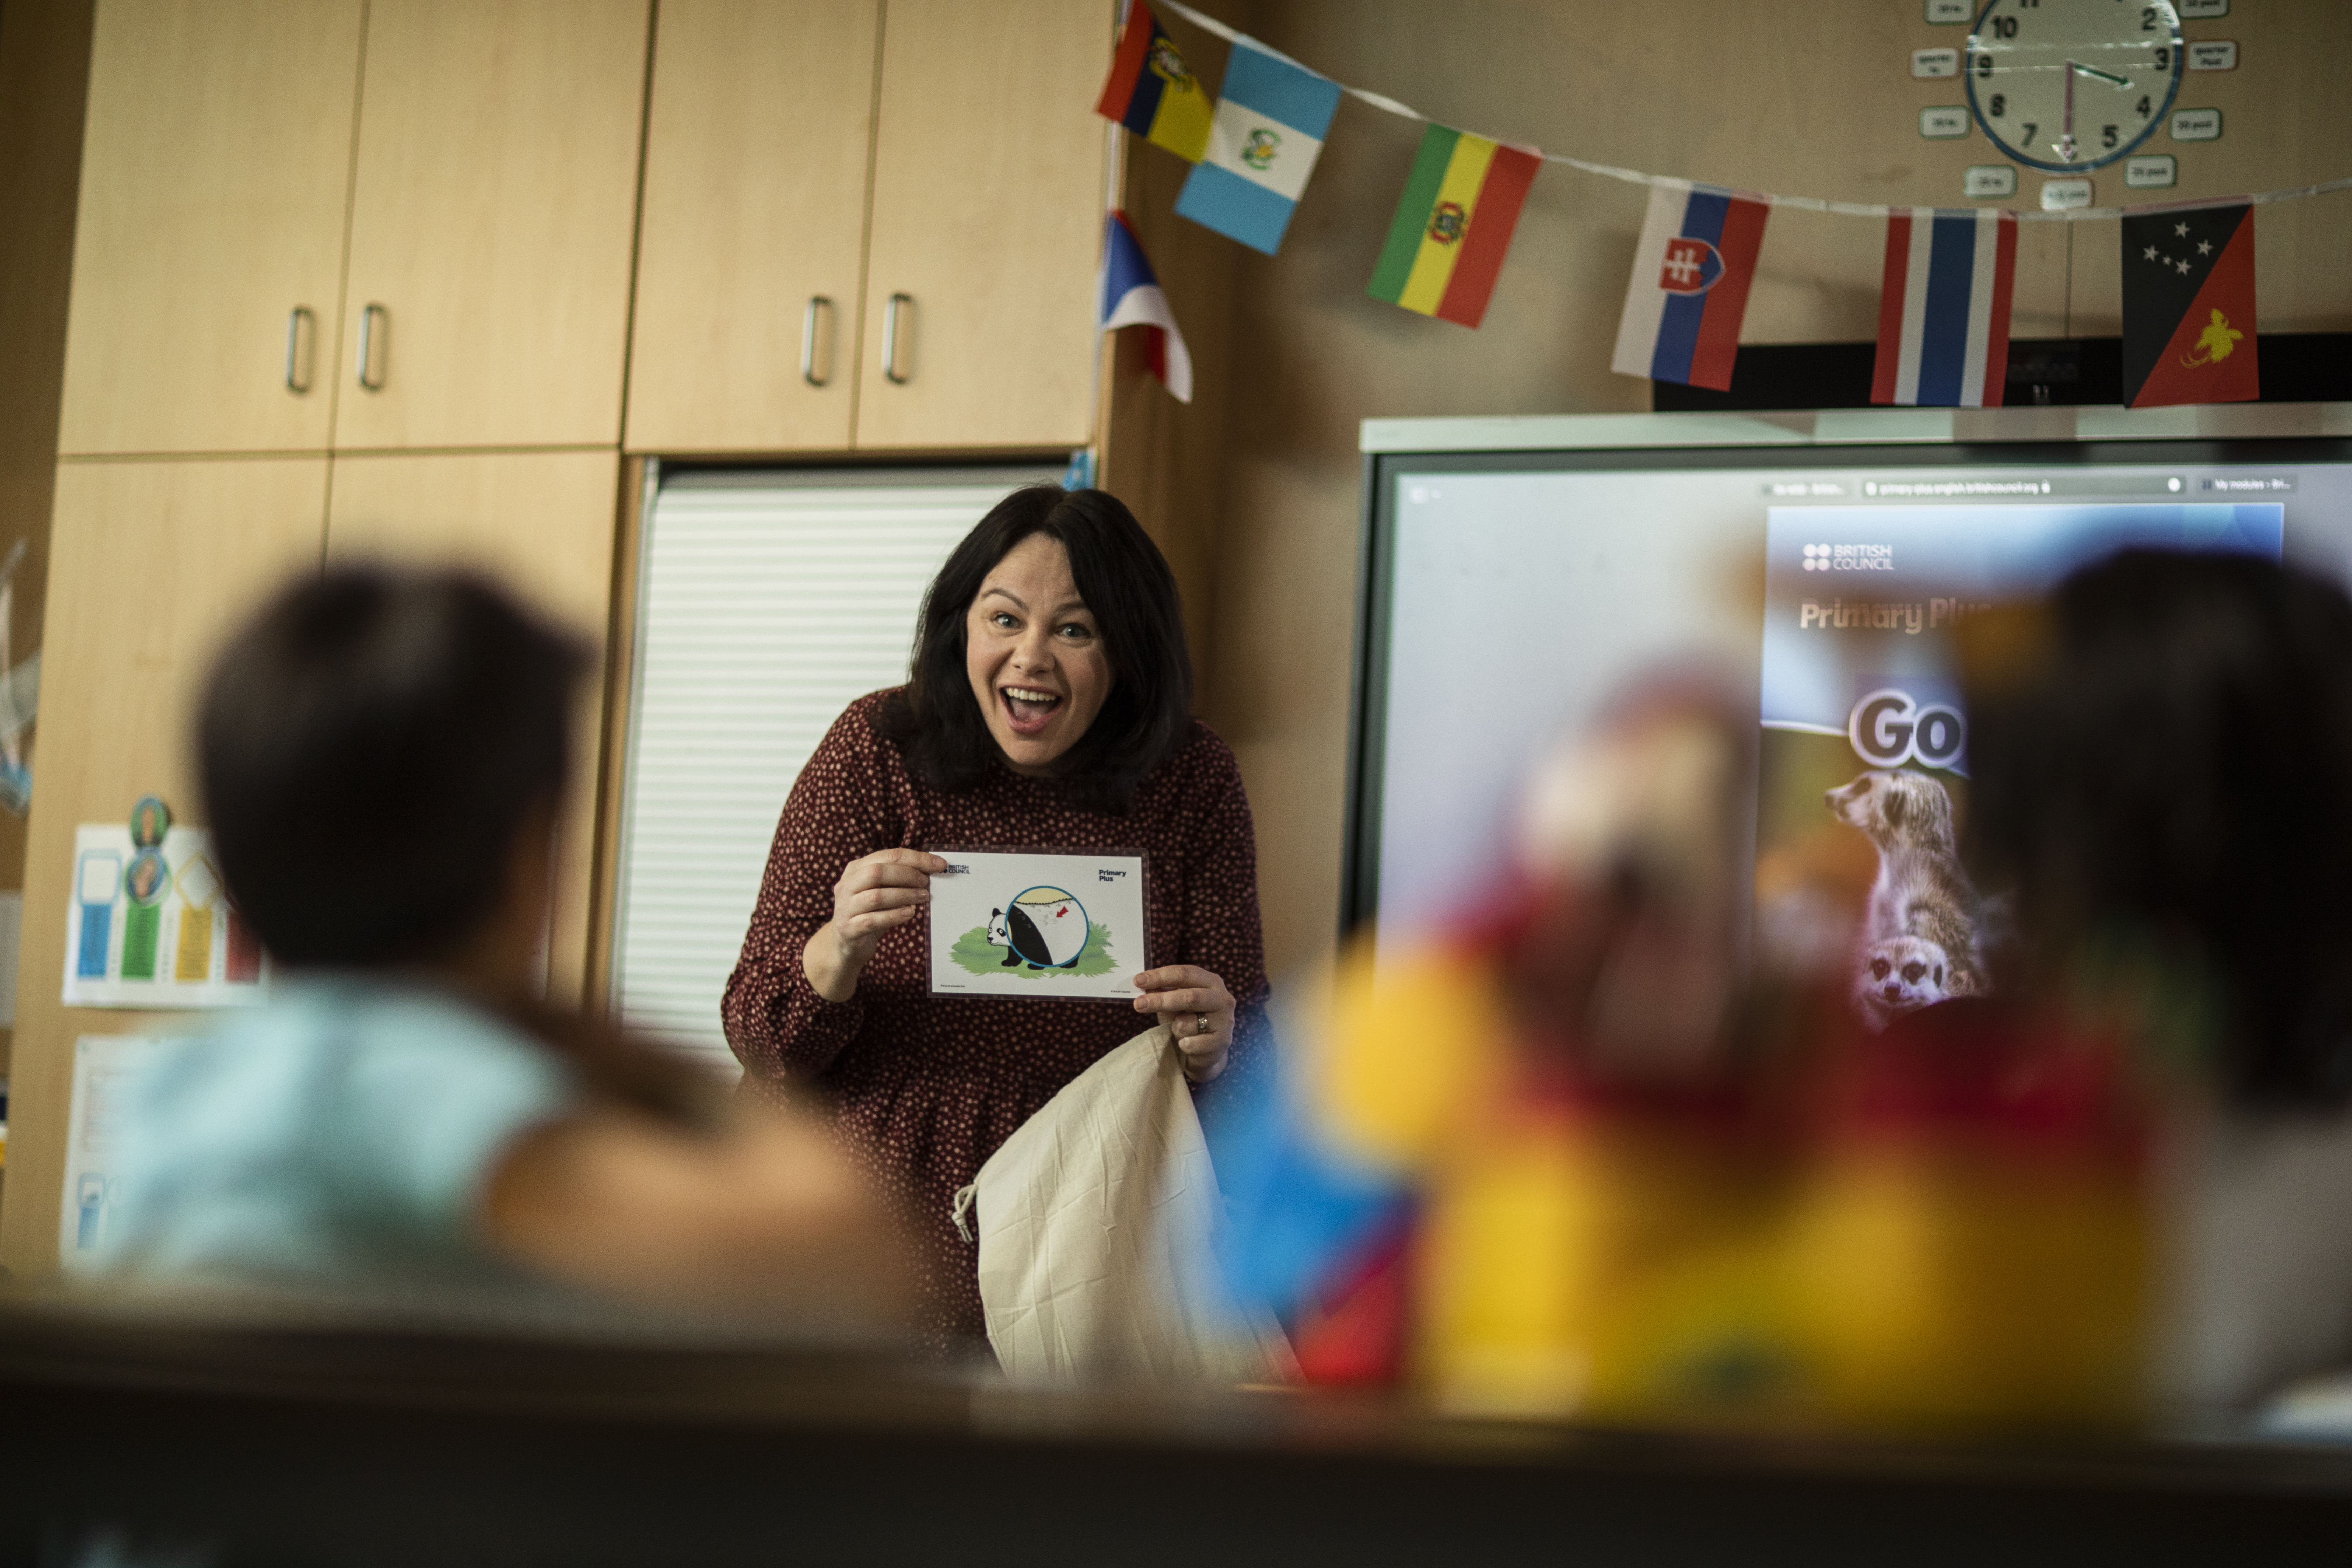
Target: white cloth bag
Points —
{"points": [[1096, 1223]]}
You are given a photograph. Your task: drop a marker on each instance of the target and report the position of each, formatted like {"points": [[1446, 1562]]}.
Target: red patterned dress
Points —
{"points": [[927, 1087]]}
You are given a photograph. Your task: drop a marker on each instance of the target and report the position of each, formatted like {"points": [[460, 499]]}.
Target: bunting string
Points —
{"points": [[1388, 105]]}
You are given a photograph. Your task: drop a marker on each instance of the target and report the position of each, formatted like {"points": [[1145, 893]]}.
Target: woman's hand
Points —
{"points": [[1196, 1006], [887, 888]]}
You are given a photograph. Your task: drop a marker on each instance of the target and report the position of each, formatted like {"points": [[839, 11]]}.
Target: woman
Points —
{"points": [[402, 1111], [1047, 709]]}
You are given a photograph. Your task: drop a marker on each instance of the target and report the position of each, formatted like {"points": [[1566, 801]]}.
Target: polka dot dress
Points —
{"points": [[927, 1087]]}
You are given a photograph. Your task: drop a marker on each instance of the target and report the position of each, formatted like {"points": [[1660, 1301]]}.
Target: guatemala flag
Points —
{"points": [[1943, 308], [1262, 147], [1689, 288], [1131, 297]]}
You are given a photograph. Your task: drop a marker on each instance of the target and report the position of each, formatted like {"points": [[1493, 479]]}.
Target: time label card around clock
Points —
{"points": [[1946, 11], [1985, 180], [1929, 65], [2197, 125], [1944, 123], [2069, 86]]}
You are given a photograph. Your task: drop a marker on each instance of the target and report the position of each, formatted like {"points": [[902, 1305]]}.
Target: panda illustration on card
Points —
{"points": [[1045, 927]]}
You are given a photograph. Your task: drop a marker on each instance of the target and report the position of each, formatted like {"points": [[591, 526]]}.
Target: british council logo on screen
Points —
{"points": [[1849, 558]]}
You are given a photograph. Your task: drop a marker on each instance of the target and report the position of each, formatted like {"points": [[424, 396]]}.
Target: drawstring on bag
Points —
{"points": [[963, 1207]]}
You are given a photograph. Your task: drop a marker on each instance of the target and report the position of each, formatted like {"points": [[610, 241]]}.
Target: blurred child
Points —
{"points": [[381, 752]]}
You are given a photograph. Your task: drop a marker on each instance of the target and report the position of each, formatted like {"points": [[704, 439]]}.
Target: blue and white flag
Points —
{"points": [[1262, 147], [1131, 297]]}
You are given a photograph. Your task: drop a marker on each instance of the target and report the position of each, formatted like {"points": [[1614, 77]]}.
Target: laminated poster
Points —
{"points": [[1037, 925], [149, 924], [1864, 785], [104, 1067]]}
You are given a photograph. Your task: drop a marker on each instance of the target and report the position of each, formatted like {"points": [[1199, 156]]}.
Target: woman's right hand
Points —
{"points": [[887, 888]]}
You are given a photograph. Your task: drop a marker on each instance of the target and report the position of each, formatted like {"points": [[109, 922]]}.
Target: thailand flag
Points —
{"points": [[1943, 310], [1131, 297], [1689, 288]]}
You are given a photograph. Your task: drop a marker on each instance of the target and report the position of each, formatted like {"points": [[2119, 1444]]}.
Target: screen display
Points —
{"points": [[1513, 595]]}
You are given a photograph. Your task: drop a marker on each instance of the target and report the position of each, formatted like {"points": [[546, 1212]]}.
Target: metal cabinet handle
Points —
{"points": [[808, 341], [372, 379], [296, 319], [890, 337]]}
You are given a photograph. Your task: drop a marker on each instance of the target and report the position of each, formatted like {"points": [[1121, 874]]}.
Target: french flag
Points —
{"points": [[1131, 297], [1689, 288], [1943, 310]]}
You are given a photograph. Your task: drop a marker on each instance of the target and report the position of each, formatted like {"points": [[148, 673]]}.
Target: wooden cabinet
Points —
{"points": [[151, 565], [978, 228], [988, 208], [214, 168], [757, 144], [492, 209], [541, 523]]}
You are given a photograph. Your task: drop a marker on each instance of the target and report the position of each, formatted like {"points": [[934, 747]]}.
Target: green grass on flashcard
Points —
{"points": [[975, 953]]}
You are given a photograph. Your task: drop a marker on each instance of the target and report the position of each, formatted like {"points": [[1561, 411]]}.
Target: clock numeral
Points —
{"points": [[2003, 26], [1984, 64], [1998, 105], [2147, 15], [2143, 106], [2027, 140], [2163, 59], [2106, 136]]}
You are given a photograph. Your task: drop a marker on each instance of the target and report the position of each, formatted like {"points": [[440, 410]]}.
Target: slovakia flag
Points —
{"points": [[1689, 288], [1943, 308], [1131, 297]]}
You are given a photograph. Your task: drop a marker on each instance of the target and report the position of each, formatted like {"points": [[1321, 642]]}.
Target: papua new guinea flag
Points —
{"points": [[2188, 306]]}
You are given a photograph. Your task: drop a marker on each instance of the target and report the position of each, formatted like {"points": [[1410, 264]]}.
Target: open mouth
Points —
{"points": [[1029, 709]]}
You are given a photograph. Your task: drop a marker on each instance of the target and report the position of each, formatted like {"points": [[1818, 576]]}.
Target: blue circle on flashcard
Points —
{"points": [[148, 880], [150, 820], [1047, 927]]}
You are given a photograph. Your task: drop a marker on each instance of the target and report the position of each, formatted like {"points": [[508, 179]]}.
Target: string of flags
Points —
{"points": [[1944, 312]]}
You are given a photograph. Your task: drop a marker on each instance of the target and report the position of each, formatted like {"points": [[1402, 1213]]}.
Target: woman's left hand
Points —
{"points": [[1197, 1008]]}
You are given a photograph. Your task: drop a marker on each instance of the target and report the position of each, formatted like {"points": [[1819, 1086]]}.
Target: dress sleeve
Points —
{"points": [[1223, 932], [776, 1023]]}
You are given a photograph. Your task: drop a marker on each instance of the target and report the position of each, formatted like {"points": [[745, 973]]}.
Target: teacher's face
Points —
{"points": [[1035, 655]]}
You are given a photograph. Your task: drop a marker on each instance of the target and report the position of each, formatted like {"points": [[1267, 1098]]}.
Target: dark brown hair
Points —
{"points": [[938, 723], [2163, 755], [370, 746]]}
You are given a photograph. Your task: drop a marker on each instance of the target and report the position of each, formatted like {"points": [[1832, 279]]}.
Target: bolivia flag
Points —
{"points": [[1153, 91], [2188, 306], [1453, 226]]}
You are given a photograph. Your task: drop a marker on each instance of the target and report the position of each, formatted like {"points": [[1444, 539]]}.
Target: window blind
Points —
{"points": [[767, 602]]}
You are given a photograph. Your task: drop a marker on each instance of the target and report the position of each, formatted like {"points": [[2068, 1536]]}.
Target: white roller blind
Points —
{"points": [[767, 602]]}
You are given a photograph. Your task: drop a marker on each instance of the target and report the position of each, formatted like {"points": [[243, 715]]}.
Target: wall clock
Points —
{"points": [[2069, 85]]}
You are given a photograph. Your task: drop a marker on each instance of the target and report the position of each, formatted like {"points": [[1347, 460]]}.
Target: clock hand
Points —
{"points": [[2110, 78], [2065, 145]]}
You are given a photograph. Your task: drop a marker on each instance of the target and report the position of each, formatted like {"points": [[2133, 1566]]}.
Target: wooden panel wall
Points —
{"points": [[1814, 99], [44, 70]]}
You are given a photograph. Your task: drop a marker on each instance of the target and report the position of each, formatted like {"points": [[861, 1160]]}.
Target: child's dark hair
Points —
{"points": [[2165, 749], [369, 746]]}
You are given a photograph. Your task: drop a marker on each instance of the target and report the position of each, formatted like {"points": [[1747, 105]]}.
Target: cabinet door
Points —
{"points": [[756, 149], [151, 566], [541, 523], [215, 165], [492, 208], [988, 208]]}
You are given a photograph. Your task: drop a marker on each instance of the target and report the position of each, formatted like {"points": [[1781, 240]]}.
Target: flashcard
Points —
{"points": [[1037, 925]]}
